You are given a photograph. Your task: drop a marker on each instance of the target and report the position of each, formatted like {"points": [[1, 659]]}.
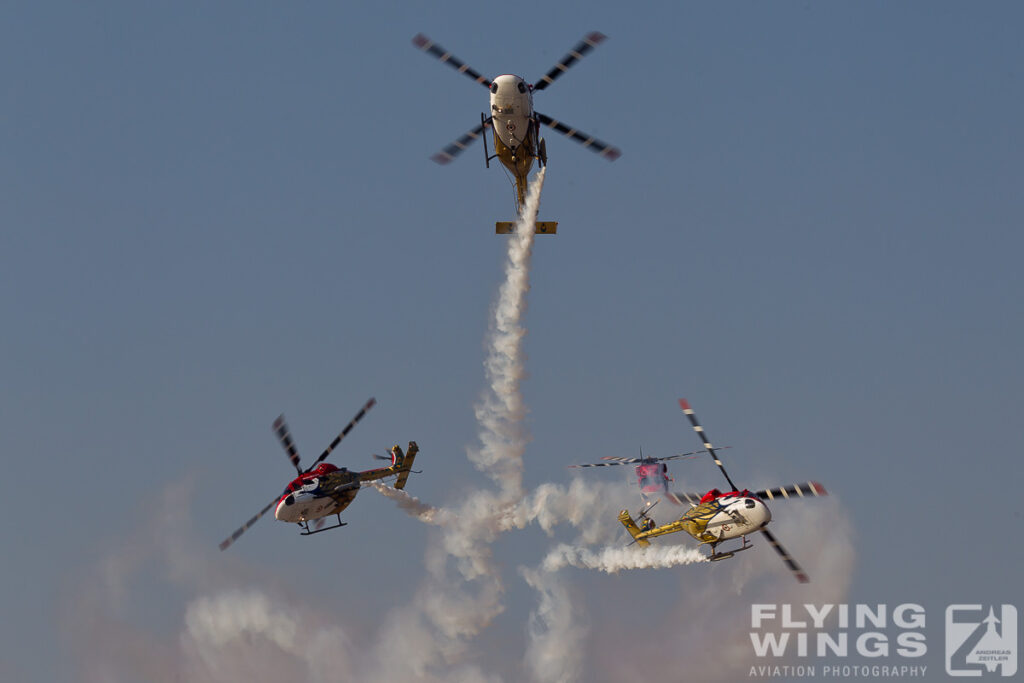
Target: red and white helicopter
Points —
{"points": [[515, 124], [651, 473], [716, 516], [322, 489]]}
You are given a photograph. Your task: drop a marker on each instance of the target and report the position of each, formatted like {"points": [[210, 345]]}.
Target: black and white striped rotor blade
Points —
{"points": [[804, 490], [786, 557], [613, 460], [575, 54], [690, 455], [430, 47], [456, 148], [691, 498], [344, 432], [685, 405], [589, 141], [285, 437], [241, 530]]}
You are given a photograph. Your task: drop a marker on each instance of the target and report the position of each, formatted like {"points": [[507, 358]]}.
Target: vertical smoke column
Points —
{"points": [[501, 410], [456, 609]]}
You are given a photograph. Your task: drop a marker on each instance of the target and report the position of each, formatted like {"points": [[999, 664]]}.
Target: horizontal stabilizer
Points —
{"points": [[509, 227]]}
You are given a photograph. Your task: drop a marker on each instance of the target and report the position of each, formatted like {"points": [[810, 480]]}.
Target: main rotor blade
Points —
{"points": [[614, 461], [241, 530], [808, 488], [285, 437], [429, 46], [685, 405], [344, 432], [454, 149], [590, 142], [691, 498], [575, 54], [786, 557], [626, 461], [690, 455]]}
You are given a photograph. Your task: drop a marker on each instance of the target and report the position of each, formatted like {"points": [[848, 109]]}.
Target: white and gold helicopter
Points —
{"points": [[716, 516], [515, 124]]}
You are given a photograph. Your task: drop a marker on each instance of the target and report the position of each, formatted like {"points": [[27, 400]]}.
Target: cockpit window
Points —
{"points": [[750, 503], [494, 88], [522, 88]]}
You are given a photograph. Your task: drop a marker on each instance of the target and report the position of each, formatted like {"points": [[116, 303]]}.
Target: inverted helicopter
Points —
{"points": [[323, 489], [715, 516], [651, 473], [515, 125]]}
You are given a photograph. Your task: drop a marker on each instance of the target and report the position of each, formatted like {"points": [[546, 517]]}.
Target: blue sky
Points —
{"points": [[213, 214]]}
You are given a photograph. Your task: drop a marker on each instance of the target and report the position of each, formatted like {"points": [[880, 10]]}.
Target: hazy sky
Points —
{"points": [[213, 213]]}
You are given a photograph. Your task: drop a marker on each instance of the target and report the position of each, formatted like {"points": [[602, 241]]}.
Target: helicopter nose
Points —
{"points": [[762, 515], [290, 508], [285, 502]]}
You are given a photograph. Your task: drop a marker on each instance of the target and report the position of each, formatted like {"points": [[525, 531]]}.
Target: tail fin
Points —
{"points": [[404, 463], [632, 528]]}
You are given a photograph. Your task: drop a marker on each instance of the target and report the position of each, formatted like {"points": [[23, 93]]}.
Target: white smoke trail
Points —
{"points": [[586, 506], [453, 610], [239, 635], [612, 560], [582, 505], [501, 411], [412, 505], [556, 632], [555, 643]]}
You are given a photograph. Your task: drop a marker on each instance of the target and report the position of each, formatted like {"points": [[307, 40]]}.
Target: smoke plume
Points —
{"points": [[501, 410], [612, 559], [428, 514]]}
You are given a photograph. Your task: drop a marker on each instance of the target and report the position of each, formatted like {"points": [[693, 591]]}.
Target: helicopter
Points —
{"points": [[718, 516], [323, 489], [515, 124], [651, 473]]}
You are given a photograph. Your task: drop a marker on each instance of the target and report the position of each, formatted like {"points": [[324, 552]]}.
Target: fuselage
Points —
{"points": [[511, 110], [515, 130], [718, 517], [652, 477], [326, 490], [729, 515]]}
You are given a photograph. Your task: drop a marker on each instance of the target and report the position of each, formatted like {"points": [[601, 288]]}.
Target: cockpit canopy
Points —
{"points": [[503, 84]]}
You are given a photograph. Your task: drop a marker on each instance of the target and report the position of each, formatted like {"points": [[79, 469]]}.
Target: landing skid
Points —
{"points": [[715, 557], [306, 531]]}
